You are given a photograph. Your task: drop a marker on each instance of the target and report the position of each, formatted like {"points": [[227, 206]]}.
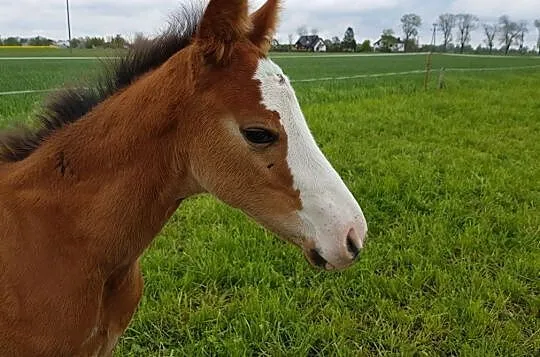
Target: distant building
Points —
{"points": [[395, 46], [62, 44], [311, 43]]}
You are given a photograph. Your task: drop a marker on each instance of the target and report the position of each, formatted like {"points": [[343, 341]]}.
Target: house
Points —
{"points": [[390, 44], [62, 44], [311, 43]]}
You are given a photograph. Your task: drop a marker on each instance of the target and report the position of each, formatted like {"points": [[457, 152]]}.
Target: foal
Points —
{"points": [[194, 111]]}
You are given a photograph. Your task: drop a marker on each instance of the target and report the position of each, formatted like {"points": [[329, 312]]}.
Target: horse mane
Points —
{"points": [[71, 104]]}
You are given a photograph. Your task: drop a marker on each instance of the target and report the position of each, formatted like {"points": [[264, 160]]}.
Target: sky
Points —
{"points": [[28, 18]]}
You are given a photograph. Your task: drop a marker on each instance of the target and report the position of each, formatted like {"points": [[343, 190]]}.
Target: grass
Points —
{"points": [[449, 182], [30, 51]]}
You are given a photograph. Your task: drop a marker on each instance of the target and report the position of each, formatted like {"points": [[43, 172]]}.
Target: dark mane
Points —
{"points": [[71, 104]]}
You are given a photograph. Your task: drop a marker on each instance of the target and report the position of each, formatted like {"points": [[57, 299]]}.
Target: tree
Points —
{"points": [[446, 24], [302, 31], [290, 41], [411, 44], [94, 42], [75, 43], [490, 31], [40, 41], [410, 24], [349, 43], [509, 30], [466, 23], [12, 41], [118, 42], [329, 45], [365, 46], [522, 30], [333, 45], [537, 25]]}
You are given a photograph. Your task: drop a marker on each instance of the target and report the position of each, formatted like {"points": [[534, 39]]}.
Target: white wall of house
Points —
{"points": [[320, 46], [399, 47]]}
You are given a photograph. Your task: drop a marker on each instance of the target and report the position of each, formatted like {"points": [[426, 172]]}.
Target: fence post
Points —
{"points": [[428, 70], [442, 84]]}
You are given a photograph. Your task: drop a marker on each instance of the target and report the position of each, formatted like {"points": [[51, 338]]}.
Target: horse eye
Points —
{"points": [[259, 136]]}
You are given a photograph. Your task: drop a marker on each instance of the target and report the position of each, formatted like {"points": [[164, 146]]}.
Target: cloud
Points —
{"points": [[89, 17], [522, 9], [330, 17], [332, 7]]}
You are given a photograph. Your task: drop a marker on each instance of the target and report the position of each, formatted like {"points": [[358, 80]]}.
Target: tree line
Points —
{"points": [[506, 32], [80, 42], [454, 29], [34, 41]]}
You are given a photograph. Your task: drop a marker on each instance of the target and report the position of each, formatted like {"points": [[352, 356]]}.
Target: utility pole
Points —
{"points": [[434, 38], [69, 26]]}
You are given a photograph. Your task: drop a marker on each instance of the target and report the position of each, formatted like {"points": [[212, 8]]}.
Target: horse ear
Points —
{"points": [[264, 23], [224, 22]]}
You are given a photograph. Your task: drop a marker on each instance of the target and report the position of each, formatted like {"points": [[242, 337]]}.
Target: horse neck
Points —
{"points": [[117, 174]]}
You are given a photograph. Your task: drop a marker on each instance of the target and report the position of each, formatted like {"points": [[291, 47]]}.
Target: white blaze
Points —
{"points": [[329, 209]]}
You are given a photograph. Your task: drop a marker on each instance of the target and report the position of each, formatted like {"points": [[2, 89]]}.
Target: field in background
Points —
{"points": [[55, 52], [448, 180]]}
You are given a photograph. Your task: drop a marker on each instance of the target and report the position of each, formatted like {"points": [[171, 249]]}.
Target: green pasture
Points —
{"points": [[56, 52], [449, 181]]}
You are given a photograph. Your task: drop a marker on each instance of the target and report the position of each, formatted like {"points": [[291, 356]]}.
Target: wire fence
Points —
{"points": [[307, 80]]}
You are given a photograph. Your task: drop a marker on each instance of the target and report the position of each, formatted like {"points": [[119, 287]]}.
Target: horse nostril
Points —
{"points": [[353, 249], [317, 259]]}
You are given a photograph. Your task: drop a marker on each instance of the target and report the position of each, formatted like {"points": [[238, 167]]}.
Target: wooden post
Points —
{"points": [[429, 59], [442, 85], [427, 77]]}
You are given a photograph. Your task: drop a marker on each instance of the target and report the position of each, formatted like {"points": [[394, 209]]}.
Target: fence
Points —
{"points": [[305, 80]]}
